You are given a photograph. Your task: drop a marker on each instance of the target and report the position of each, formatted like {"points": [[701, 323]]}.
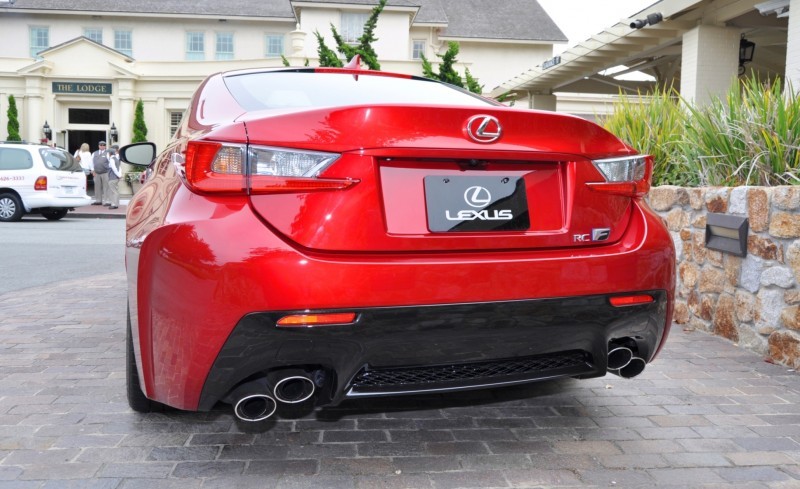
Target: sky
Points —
{"points": [[580, 19]]}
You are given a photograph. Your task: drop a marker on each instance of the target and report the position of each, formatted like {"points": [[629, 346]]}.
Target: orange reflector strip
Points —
{"points": [[304, 320], [631, 300]]}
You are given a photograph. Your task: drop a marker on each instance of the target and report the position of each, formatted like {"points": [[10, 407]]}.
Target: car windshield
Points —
{"points": [[58, 159], [279, 90]]}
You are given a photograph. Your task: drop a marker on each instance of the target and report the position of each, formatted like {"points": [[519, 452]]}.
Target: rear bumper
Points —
{"points": [[44, 200], [410, 350], [205, 305]]}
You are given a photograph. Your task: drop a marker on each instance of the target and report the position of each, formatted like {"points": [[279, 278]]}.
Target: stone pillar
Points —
{"points": [[542, 101], [793, 47], [709, 62]]}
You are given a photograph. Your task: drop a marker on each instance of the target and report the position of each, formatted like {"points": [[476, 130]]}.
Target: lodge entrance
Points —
{"points": [[77, 137]]}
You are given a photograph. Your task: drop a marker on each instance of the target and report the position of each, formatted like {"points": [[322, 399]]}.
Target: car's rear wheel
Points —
{"points": [[54, 214], [10, 208], [136, 398]]}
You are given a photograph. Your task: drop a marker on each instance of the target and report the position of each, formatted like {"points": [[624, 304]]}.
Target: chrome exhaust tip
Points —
{"points": [[619, 358], [294, 389], [633, 368], [255, 407]]}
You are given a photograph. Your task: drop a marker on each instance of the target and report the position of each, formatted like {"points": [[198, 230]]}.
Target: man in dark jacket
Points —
{"points": [[100, 174]]}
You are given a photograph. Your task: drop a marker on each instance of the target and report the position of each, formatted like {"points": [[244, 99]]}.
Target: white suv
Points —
{"points": [[35, 178]]}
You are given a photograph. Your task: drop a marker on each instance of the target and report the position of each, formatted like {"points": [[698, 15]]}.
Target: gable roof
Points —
{"points": [[521, 20]]}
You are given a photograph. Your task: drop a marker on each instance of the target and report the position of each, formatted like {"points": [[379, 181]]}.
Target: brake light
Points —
{"points": [[309, 320], [40, 184], [631, 300], [211, 167], [629, 176]]}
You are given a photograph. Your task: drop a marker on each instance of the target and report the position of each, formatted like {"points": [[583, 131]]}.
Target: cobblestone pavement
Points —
{"points": [[705, 414]]}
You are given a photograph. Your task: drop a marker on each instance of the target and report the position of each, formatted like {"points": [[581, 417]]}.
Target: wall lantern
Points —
{"points": [[48, 133], [746, 50], [652, 19], [113, 133], [727, 234]]}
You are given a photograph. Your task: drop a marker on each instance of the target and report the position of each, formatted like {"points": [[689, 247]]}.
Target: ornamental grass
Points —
{"points": [[751, 136]]}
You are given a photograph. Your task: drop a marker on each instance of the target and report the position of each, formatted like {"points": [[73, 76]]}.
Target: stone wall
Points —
{"points": [[753, 301]]}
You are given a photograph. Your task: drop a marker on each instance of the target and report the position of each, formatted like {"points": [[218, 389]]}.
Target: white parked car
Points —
{"points": [[35, 178]]}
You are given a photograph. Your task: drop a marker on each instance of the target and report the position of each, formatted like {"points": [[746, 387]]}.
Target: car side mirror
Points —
{"points": [[140, 154]]}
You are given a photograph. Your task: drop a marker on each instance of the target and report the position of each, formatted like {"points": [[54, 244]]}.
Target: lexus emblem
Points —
{"points": [[484, 128], [477, 197]]}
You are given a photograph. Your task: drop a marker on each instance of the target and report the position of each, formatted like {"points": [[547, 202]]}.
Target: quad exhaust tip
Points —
{"points": [[255, 407], [294, 389], [622, 362]]}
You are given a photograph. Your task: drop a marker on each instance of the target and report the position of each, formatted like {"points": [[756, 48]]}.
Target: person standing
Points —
{"points": [[84, 157], [114, 174], [100, 174]]}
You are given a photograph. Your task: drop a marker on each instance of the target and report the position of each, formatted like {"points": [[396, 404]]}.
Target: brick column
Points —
{"points": [[793, 47], [709, 62]]}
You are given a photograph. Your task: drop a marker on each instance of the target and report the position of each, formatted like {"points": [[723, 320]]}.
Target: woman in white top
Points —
{"points": [[84, 157]]}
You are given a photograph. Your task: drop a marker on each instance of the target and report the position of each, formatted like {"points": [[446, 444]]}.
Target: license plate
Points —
{"points": [[471, 203], [69, 190]]}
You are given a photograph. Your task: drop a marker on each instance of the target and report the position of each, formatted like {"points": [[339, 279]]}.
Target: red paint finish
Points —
{"points": [[199, 262]]}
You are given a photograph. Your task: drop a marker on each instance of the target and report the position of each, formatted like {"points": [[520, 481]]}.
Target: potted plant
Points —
{"points": [[133, 178]]}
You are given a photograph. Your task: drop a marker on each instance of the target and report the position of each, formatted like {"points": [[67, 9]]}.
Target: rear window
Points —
{"points": [[57, 159], [15, 159], [279, 90]]}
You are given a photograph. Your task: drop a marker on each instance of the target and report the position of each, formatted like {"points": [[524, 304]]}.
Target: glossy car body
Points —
{"points": [[35, 178], [431, 241]]}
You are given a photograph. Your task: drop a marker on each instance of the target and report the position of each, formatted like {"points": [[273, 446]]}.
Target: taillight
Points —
{"points": [[629, 176], [40, 184], [226, 168]]}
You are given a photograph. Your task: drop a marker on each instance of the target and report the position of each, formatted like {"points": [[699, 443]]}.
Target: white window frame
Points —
{"points": [[269, 52], [123, 41], [352, 26], [88, 31], [175, 117], [195, 46], [418, 48], [38, 39], [227, 39]]}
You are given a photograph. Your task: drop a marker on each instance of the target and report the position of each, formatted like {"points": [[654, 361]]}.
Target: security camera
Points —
{"points": [[651, 19]]}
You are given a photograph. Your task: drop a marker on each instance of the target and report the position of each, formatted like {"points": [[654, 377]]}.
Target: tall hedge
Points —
{"points": [[13, 122]]}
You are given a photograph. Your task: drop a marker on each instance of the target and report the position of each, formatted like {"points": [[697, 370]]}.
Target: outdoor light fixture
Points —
{"points": [[746, 50], [652, 19], [113, 133], [727, 234], [47, 131]]}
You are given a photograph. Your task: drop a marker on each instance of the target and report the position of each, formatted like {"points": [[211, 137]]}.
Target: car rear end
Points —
{"points": [[398, 238]]}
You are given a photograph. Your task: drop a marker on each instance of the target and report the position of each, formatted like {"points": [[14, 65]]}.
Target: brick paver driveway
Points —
{"points": [[706, 414]]}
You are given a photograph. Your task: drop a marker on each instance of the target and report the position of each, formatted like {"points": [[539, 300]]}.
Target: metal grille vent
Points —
{"points": [[466, 372]]}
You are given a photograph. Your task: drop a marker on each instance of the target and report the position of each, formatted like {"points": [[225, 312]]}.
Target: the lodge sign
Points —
{"points": [[82, 88]]}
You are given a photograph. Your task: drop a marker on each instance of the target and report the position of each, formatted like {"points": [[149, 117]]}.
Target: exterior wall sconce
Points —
{"points": [[113, 133], [746, 50], [727, 234], [48, 133], [652, 19]]}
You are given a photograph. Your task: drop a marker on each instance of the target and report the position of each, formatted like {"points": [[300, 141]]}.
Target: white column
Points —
{"points": [[541, 101], [709, 62], [32, 116], [793, 47]]}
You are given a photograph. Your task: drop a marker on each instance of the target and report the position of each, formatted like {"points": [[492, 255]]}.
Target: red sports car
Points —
{"points": [[317, 235]]}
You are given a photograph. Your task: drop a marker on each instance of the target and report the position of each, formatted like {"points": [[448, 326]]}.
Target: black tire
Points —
{"points": [[10, 208], [54, 214], [136, 398]]}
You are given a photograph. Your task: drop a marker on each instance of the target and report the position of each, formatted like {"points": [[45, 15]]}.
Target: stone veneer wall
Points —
{"points": [[753, 301]]}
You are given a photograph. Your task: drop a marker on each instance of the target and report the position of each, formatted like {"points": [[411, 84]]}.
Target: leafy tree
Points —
{"points": [[447, 73], [286, 61], [13, 122], [139, 127], [364, 47], [327, 56]]}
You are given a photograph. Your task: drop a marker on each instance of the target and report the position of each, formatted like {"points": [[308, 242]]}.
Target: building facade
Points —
{"points": [[82, 66]]}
